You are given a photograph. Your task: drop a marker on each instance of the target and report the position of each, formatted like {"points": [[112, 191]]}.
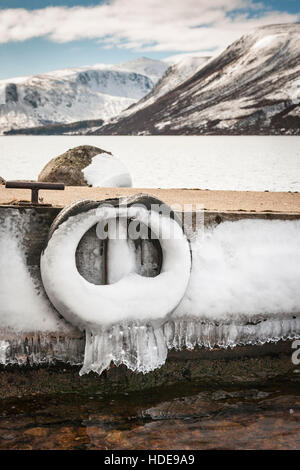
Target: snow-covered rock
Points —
{"points": [[64, 96], [252, 87], [87, 166]]}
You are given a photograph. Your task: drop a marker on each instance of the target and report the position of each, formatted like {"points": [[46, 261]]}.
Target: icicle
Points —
{"points": [[191, 332], [40, 348], [4, 349], [141, 348]]}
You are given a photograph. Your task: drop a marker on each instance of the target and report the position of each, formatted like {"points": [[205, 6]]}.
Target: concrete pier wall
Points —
{"points": [[66, 345]]}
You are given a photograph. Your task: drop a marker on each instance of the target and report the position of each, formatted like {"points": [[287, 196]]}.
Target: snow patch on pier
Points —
{"points": [[244, 270], [24, 306]]}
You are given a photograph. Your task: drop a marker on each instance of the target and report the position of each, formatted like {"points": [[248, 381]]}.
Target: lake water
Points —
{"points": [[188, 416], [237, 163]]}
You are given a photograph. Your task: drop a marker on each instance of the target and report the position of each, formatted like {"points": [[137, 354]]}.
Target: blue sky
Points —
{"points": [[42, 35], [35, 4]]}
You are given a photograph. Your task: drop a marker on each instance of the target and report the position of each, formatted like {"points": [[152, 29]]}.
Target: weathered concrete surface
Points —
{"points": [[243, 364], [213, 201]]}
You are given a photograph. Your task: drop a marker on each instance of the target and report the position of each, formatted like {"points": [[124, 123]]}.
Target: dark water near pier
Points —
{"points": [[186, 416]]}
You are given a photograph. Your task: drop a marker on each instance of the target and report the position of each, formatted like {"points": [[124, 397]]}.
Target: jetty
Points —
{"points": [[49, 363]]}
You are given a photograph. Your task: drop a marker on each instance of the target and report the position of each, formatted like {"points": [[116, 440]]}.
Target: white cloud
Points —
{"points": [[147, 25]]}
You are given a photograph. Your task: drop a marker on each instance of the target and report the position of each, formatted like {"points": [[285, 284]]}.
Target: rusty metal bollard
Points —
{"points": [[35, 187]]}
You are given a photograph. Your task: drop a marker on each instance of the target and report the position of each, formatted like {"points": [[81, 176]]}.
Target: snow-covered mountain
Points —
{"points": [[152, 68], [252, 87], [64, 96], [173, 76]]}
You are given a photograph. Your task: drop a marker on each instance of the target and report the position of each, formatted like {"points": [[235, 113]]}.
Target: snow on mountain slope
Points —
{"points": [[152, 68], [180, 71], [64, 96], [252, 87], [173, 76]]}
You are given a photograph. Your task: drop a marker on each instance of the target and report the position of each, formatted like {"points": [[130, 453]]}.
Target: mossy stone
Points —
{"points": [[67, 167]]}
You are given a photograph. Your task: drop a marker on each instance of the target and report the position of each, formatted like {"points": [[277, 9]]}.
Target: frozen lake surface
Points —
{"points": [[237, 163]]}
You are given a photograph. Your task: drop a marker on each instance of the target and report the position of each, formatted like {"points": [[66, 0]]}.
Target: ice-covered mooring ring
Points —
{"points": [[133, 297]]}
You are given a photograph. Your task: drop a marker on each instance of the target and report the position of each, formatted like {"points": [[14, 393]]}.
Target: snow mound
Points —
{"points": [[107, 171], [244, 270], [24, 306]]}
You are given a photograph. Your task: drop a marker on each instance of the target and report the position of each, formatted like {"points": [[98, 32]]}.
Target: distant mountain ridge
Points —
{"points": [[154, 69], [173, 75], [83, 93], [253, 87]]}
